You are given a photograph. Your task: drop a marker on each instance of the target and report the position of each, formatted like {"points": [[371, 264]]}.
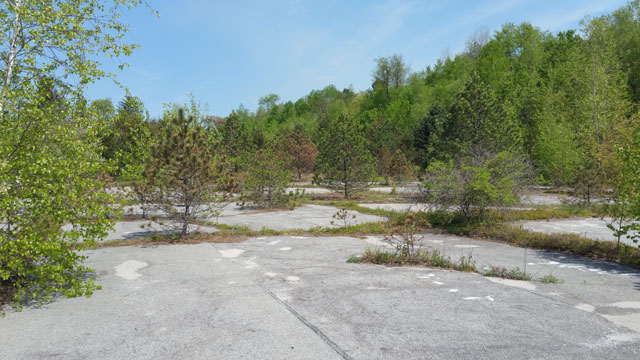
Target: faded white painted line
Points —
{"points": [[586, 307], [490, 298], [514, 283], [274, 242], [299, 237], [285, 248], [438, 283], [128, 269], [626, 305], [270, 274], [292, 278], [467, 246], [231, 253], [375, 288], [474, 298], [453, 290]]}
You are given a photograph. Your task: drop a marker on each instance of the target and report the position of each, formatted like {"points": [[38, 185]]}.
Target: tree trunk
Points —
{"points": [[12, 54], [185, 221]]}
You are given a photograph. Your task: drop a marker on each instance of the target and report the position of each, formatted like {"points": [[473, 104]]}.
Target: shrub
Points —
{"points": [[474, 183]]}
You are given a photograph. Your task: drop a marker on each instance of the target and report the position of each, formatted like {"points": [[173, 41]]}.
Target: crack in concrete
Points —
{"points": [[308, 324]]}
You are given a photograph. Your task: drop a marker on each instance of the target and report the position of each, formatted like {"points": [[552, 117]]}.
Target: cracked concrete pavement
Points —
{"points": [[296, 297]]}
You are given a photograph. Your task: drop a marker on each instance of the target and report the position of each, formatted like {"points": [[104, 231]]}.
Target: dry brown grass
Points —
{"points": [[161, 239]]}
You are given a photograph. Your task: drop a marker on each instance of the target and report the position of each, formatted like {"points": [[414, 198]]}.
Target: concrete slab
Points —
{"points": [[304, 217], [127, 230], [593, 228], [297, 298]]}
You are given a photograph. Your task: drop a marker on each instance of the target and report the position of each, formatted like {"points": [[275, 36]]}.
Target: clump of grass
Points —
{"points": [[354, 259], [503, 272], [571, 243], [550, 279], [422, 257]]}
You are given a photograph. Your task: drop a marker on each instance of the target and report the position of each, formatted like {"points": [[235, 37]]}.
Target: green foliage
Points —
{"points": [[343, 160], [571, 243], [390, 72], [128, 142], [235, 140], [49, 164], [266, 180], [550, 279], [422, 258], [625, 208], [473, 184], [502, 272], [185, 174], [480, 122], [49, 157]]}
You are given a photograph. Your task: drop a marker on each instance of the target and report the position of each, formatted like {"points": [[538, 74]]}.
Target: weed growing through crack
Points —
{"points": [[550, 279], [343, 217], [406, 237], [503, 272]]}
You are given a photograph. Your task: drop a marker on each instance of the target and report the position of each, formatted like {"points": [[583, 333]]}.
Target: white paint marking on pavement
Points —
{"points": [[375, 288], [251, 263], [231, 253], [270, 274], [586, 307], [490, 298], [473, 298], [285, 248], [128, 269], [453, 290], [467, 246], [626, 305], [292, 278], [550, 263], [438, 283], [299, 237], [274, 242], [515, 283]]}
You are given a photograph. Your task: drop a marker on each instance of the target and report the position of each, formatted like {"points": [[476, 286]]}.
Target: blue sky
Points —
{"points": [[229, 53]]}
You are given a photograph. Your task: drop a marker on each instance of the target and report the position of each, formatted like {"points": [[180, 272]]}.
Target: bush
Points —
{"points": [[474, 183]]}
